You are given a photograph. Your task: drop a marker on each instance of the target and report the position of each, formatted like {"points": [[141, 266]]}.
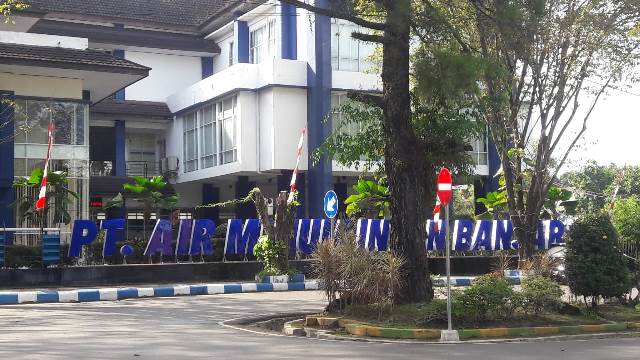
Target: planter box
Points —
{"points": [[281, 279]]}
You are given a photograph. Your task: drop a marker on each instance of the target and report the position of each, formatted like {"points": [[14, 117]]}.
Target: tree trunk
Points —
{"points": [[404, 156], [284, 217]]}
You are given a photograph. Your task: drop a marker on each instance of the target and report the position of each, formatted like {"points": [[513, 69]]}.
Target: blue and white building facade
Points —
{"points": [[230, 86]]}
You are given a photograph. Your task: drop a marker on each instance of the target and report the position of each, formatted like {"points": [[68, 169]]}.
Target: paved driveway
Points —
{"points": [[187, 327]]}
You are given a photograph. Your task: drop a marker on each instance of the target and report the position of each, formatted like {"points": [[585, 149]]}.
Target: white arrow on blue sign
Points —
{"points": [[331, 204]]}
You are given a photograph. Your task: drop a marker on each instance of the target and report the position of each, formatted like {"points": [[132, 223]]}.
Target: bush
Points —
{"points": [[269, 253], [540, 294], [17, 256], [487, 298], [358, 276], [594, 266]]}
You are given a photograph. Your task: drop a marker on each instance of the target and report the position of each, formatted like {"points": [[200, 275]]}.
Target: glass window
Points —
{"points": [[20, 167], [33, 116], [338, 100], [70, 152], [256, 46], [80, 125], [63, 114], [190, 143], [271, 26], [226, 117], [210, 135], [38, 116], [142, 147], [262, 42], [21, 126], [480, 150], [208, 142], [230, 54], [347, 53]]}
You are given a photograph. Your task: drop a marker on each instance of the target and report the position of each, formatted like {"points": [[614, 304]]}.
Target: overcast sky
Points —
{"points": [[613, 131]]}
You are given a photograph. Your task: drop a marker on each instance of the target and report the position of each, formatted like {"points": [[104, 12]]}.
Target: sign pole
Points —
{"points": [[448, 265], [445, 187], [333, 226]]}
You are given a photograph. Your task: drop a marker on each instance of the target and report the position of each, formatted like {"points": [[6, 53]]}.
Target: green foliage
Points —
{"points": [[540, 294], [7, 7], [626, 219], [495, 202], [357, 138], [559, 202], [149, 192], [270, 252], [59, 197], [486, 298], [594, 266], [594, 186], [370, 201]]}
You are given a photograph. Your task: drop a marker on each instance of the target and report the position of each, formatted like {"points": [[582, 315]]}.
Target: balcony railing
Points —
{"points": [[143, 168], [133, 168]]}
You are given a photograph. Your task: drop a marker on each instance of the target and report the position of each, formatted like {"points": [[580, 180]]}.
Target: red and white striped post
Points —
{"points": [[42, 196], [293, 188]]}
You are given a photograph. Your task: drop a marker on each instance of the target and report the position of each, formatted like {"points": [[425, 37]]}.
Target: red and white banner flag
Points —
{"points": [[42, 196], [436, 214], [294, 176]]}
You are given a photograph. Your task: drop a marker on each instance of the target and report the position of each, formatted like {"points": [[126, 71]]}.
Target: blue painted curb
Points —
{"points": [[440, 281], [112, 294]]}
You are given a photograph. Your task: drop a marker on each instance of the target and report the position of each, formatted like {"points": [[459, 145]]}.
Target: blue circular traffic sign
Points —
{"points": [[330, 204]]}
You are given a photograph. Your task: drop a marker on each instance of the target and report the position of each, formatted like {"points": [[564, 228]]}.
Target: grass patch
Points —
{"points": [[412, 316]]}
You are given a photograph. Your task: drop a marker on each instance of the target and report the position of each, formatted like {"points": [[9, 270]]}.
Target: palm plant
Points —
{"points": [[149, 193], [59, 196], [371, 200]]}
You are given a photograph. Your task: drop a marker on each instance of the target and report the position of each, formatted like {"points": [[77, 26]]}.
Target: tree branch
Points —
{"points": [[366, 98], [367, 37], [336, 14]]}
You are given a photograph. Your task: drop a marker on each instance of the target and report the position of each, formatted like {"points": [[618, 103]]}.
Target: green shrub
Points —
{"points": [[540, 294], [594, 266], [269, 253], [17, 256], [487, 298]]}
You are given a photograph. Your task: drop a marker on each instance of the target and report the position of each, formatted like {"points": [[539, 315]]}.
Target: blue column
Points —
{"points": [[243, 186], [318, 107], [289, 31], [207, 66], [210, 195], [240, 42], [120, 95], [6, 162], [120, 166]]}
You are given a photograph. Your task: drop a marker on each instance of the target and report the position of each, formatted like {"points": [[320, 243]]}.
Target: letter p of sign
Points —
{"points": [[84, 233]]}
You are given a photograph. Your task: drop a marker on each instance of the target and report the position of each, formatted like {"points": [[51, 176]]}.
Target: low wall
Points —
{"points": [[135, 274], [186, 272]]}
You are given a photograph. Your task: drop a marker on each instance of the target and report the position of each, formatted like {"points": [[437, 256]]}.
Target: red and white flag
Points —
{"points": [[294, 176], [436, 214], [42, 196]]}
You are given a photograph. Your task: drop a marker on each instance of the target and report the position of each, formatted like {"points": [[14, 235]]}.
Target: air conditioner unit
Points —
{"points": [[170, 164]]}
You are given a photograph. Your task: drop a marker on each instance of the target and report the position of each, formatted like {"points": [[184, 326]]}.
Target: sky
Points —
{"points": [[613, 131]]}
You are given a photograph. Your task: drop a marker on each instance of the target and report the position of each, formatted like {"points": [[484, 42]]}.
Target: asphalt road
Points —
{"points": [[187, 327]]}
